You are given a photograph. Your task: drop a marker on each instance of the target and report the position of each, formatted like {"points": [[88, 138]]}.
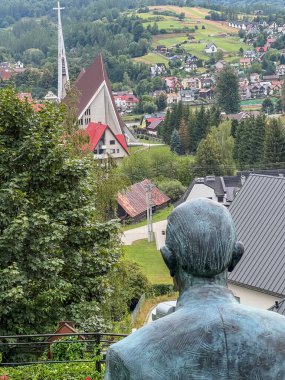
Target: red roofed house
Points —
{"points": [[262, 49], [125, 102], [95, 102], [132, 203], [104, 143], [27, 96], [245, 62]]}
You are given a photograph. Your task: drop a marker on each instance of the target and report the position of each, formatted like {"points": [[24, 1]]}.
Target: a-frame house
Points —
{"points": [[95, 105]]}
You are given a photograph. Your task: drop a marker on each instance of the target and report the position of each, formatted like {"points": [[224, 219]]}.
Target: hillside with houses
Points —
{"points": [[112, 115]]}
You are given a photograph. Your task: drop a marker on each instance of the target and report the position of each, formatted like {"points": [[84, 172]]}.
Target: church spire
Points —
{"points": [[63, 76]]}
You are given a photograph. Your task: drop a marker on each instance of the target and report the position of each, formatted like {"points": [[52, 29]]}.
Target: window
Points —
{"points": [[95, 151], [112, 142], [118, 150], [81, 121], [87, 112], [113, 151]]}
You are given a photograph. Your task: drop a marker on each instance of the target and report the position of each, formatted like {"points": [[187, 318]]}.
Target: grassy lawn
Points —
{"points": [[152, 58], [146, 255], [149, 305], [194, 17], [157, 217]]}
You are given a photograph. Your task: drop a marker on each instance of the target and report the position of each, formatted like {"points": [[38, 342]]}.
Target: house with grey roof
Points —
{"points": [[222, 189], [258, 211], [211, 48]]}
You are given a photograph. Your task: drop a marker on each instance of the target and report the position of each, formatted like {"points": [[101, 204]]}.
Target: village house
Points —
{"points": [[270, 41], [125, 101], [280, 70], [187, 96], [210, 48], [157, 93], [190, 67], [270, 77], [173, 84], [220, 65], [207, 82], [206, 93], [238, 116], [189, 83], [104, 143], [258, 90], [254, 78], [276, 87], [250, 54], [161, 49], [172, 98], [259, 280], [132, 203], [152, 127], [146, 120], [158, 69], [244, 91], [245, 62]]}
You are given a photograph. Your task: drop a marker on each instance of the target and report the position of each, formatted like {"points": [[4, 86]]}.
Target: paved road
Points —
{"points": [[141, 233]]}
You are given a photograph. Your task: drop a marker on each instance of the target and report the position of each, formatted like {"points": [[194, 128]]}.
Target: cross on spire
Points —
{"points": [[63, 76]]}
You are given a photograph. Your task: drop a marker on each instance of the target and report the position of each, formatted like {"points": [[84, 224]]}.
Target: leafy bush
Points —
{"points": [[173, 189], [68, 351], [160, 290], [70, 371]]}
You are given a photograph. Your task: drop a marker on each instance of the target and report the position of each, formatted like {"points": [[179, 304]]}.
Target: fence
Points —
{"points": [[35, 349], [138, 307]]}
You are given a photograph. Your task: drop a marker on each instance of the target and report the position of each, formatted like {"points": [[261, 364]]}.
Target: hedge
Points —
{"points": [[62, 371]]}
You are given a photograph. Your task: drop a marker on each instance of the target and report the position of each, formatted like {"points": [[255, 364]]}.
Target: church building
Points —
{"points": [[97, 114]]}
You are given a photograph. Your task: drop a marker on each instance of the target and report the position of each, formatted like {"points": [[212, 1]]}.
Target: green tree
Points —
{"points": [[219, 55], [55, 257], [183, 134], [222, 136], [161, 102], [227, 90], [274, 149], [208, 158], [175, 143], [172, 188], [257, 145]]}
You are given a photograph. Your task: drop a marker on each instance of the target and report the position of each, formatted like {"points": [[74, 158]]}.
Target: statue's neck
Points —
{"points": [[186, 281], [201, 289]]}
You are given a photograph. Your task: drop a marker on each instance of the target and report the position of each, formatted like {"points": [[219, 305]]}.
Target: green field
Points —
{"points": [[193, 17], [152, 58], [149, 258]]}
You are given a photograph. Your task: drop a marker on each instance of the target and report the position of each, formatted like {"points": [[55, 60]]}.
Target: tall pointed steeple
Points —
{"points": [[63, 76]]}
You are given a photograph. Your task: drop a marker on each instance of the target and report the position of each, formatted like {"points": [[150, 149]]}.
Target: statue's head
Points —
{"points": [[201, 240]]}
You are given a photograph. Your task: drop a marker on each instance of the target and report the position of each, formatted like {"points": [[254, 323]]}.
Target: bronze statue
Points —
{"points": [[210, 336]]}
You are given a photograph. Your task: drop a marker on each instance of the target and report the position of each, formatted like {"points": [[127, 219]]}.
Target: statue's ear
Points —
{"points": [[169, 259], [237, 255]]}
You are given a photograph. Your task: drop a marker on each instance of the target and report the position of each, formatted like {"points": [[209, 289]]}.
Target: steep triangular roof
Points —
{"points": [[88, 83], [95, 132]]}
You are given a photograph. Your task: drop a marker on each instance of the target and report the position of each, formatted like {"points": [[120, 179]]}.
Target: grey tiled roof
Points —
{"points": [[259, 215]]}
